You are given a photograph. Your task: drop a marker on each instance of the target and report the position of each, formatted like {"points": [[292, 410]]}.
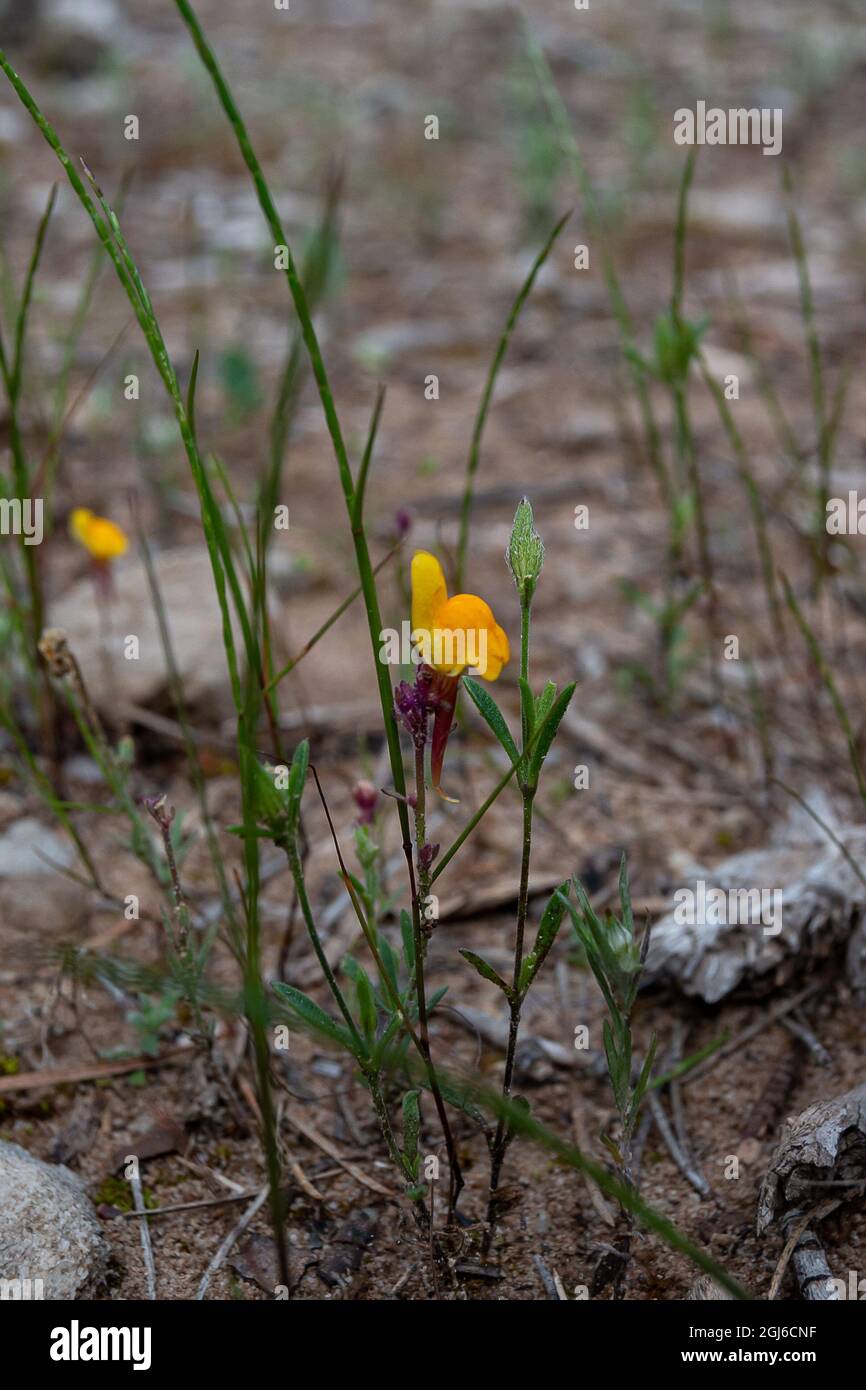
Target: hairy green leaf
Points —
{"points": [[492, 716], [486, 971]]}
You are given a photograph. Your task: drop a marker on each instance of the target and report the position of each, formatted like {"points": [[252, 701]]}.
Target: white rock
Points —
{"points": [[11, 127], [92, 19], [194, 620], [27, 847], [36, 899], [813, 902], [48, 1227]]}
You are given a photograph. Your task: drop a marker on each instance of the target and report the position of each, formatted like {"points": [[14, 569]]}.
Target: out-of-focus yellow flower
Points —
{"points": [[453, 633], [102, 539]]}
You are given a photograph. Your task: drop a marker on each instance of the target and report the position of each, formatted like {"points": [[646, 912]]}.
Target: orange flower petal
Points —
{"points": [[498, 653]]}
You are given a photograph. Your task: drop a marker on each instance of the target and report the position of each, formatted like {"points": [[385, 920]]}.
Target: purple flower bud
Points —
{"points": [[412, 703], [426, 855], [366, 796], [402, 522]]}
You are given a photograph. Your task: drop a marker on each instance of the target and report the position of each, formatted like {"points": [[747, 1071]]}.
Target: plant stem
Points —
{"points": [[421, 826], [269, 1126], [359, 537], [420, 894], [164, 817], [419, 1211], [500, 1143], [688, 455], [421, 1044], [290, 849]]}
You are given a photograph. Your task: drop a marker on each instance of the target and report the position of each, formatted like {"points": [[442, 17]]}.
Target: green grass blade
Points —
{"points": [[362, 554], [27, 296], [753, 495], [487, 396], [562, 125], [829, 683]]}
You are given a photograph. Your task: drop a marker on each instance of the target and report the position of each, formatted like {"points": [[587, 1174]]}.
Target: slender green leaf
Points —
{"points": [[548, 732], [366, 1005], [527, 709], [408, 941], [551, 920], [486, 971], [389, 960], [544, 702], [492, 716], [313, 1016], [411, 1129], [643, 1080]]}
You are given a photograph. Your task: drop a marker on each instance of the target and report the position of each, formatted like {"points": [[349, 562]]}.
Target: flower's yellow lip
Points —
{"points": [[465, 616]]}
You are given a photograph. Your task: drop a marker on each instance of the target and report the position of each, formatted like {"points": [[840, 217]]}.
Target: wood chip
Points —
{"points": [[85, 1071]]}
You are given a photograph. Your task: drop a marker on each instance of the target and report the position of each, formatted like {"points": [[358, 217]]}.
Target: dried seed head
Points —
{"points": [[156, 807], [54, 648]]}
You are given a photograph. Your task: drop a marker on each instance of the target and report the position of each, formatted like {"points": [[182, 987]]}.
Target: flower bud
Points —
{"points": [[366, 796], [525, 553]]}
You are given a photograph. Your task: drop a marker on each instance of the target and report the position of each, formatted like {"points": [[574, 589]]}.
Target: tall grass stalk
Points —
{"points": [[316, 273], [355, 512], [175, 684], [246, 698], [823, 429], [616, 960], [686, 336], [487, 396], [753, 496], [640, 382], [299, 299], [828, 681], [538, 716], [12, 372]]}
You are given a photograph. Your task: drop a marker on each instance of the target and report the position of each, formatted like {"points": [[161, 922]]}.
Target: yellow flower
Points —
{"points": [[453, 633], [101, 538], [450, 634]]}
